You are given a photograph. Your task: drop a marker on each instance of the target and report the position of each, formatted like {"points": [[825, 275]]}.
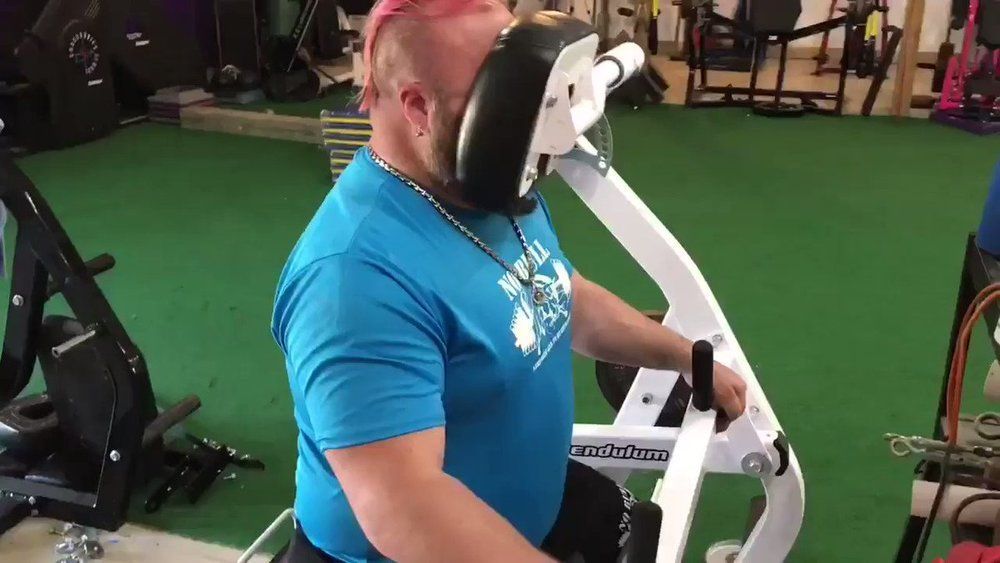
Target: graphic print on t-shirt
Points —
{"points": [[537, 327]]}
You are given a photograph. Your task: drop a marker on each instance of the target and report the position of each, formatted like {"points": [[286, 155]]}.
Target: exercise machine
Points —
{"points": [[721, 44], [554, 122], [872, 47], [769, 22], [956, 21], [970, 93], [617, 22], [58, 88], [568, 135], [956, 477], [74, 70], [78, 450], [236, 74], [323, 49], [867, 42], [75, 451]]}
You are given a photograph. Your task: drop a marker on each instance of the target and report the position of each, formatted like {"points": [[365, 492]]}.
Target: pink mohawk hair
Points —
{"points": [[386, 10]]}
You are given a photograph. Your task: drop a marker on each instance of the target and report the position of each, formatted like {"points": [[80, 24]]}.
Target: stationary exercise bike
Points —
{"points": [[553, 121], [72, 71]]}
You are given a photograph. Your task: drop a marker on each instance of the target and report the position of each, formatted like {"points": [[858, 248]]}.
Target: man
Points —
{"points": [[428, 335]]}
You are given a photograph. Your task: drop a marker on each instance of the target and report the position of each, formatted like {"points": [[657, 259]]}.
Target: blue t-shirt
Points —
{"points": [[392, 322]]}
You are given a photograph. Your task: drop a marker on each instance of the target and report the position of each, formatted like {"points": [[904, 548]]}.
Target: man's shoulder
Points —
{"points": [[357, 232], [353, 280], [359, 218]]}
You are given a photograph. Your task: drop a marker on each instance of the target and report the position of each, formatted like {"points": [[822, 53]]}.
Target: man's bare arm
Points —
{"points": [[608, 329], [413, 512]]}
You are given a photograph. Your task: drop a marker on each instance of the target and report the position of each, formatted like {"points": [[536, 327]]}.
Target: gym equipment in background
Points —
{"points": [[956, 21], [653, 35], [236, 75], [867, 42], [586, 10], [78, 69], [287, 70], [956, 478], [60, 90], [768, 22], [970, 94], [616, 21], [293, 66], [864, 41], [344, 132], [150, 52], [167, 104], [881, 68], [80, 449], [872, 47], [543, 53], [721, 43], [646, 87]]}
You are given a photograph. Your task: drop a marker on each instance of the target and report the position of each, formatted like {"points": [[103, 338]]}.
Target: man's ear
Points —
{"points": [[416, 107]]}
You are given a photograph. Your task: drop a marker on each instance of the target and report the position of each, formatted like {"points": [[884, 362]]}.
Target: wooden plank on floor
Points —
{"points": [[902, 93], [256, 124], [32, 542]]}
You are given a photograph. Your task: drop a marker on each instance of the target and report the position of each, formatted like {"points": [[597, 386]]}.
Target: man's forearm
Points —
{"points": [[436, 519], [608, 329]]}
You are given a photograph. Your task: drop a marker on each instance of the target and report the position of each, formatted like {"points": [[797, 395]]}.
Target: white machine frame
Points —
{"points": [[753, 444]]}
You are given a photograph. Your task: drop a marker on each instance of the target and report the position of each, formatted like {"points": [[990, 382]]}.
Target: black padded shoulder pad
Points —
{"points": [[506, 97]]}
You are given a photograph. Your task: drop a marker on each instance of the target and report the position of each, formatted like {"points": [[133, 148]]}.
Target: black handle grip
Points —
{"points": [[702, 375], [100, 264], [169, 418], [645, 533], [95, 266]]}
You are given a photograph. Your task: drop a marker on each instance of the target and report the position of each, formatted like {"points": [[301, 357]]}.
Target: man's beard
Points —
{"points": [[444, 167]]}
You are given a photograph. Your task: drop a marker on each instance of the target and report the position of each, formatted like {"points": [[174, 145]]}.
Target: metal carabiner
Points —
{"points": [[901, 446]]}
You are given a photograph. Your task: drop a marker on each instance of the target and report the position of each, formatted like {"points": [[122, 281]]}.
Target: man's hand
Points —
{"points": [[730, 392], [606, 328]]}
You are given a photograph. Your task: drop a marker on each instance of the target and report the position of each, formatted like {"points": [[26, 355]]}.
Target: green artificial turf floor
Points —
{"points": [[834, 246]]}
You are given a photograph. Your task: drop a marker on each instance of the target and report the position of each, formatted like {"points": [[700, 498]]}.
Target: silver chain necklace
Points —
{"points": [[537, 293]]}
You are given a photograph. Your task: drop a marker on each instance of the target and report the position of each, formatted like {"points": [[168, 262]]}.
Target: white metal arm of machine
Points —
{"points": [[754, 443]]}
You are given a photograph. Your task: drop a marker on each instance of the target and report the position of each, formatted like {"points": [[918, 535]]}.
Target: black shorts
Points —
{"points": [[594, 520], [592, 526]]}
